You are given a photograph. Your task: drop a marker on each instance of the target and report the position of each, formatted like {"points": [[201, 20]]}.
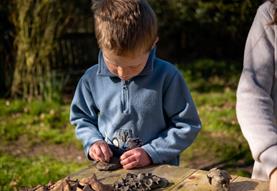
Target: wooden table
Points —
{"points": [[181, 179]]}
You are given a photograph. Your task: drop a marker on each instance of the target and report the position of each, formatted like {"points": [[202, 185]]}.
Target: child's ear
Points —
{"points": [[155, 42]]}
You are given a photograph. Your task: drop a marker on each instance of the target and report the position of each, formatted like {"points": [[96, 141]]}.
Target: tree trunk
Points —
{"points": [[38, 24]]}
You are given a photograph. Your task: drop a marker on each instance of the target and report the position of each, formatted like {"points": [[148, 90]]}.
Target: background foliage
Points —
{"points": [[6, 48], [189, 29], [204, 28], [37, 24]]}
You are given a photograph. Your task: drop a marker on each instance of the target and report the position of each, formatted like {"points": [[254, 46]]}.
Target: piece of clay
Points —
{"points": [[220, 179], [140, 182], [114, 164], [96, 185], [68, 184]]}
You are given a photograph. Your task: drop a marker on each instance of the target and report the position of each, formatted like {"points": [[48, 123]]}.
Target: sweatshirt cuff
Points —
{"points": [[152, 153], [269, 159], [88, 145]]}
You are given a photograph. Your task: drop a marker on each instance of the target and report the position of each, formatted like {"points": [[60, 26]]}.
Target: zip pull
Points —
{"points": [[125, 97]]}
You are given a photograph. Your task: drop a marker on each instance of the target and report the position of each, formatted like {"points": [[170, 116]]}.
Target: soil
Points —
{"points": [[24, 147]]}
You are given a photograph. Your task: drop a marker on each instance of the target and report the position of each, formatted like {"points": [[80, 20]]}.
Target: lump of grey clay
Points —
{"points": [[114, 164], [140, 182], [220, 179]]}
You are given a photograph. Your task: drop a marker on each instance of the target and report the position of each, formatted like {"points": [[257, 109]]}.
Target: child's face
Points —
{"points": [[127, 66]]}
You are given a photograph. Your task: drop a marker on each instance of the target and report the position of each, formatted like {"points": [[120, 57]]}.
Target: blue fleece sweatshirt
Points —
{"points": [[155, 107]]}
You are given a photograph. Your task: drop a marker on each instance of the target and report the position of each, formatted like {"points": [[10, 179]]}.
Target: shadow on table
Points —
{"points": [[243, 185]]}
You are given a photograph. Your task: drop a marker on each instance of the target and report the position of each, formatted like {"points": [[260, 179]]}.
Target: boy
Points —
{"points": [[131, 96]]}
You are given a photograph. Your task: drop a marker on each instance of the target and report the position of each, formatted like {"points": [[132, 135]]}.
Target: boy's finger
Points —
{"points": [[106, 152], [92, 154], [95, 157], [128, 160], [98, 155], [126, 155], [110, 151], [130, 165]]}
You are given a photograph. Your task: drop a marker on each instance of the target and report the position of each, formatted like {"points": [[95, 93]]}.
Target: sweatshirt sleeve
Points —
{"points": [[183, 123], [83, 115], [255, 107]]}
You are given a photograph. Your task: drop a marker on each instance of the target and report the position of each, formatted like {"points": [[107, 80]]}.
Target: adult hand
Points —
{"points": [[273, 181], [100, 151], [135, 158]]}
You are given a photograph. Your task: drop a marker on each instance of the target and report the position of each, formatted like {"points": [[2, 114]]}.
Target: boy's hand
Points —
{"points": [[100, 151], [135, 158]]}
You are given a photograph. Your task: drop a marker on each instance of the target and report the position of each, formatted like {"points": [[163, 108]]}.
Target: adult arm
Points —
{"points": [[255, 107]]}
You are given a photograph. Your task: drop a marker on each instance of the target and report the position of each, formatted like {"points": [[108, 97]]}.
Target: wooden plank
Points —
{"points": [[107, 177], [243, 184], [197, 181], [181, 179], [172, 173]]}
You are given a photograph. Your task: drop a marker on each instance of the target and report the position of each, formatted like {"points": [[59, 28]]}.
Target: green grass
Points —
{"points": [[43, 120], [220, 141], [25, 125], [27, 172]]}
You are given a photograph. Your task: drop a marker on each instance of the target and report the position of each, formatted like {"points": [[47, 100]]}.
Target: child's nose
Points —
{"points": [[122, 71]]}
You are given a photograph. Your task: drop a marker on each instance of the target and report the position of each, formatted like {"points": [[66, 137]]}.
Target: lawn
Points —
{"points": [[38, 144]]}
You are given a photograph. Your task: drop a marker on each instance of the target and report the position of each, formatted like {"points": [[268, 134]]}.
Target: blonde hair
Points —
{"points": [[124, 26]]}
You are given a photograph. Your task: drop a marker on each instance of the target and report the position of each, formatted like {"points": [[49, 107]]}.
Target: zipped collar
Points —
{"points": [[104, 71]]}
